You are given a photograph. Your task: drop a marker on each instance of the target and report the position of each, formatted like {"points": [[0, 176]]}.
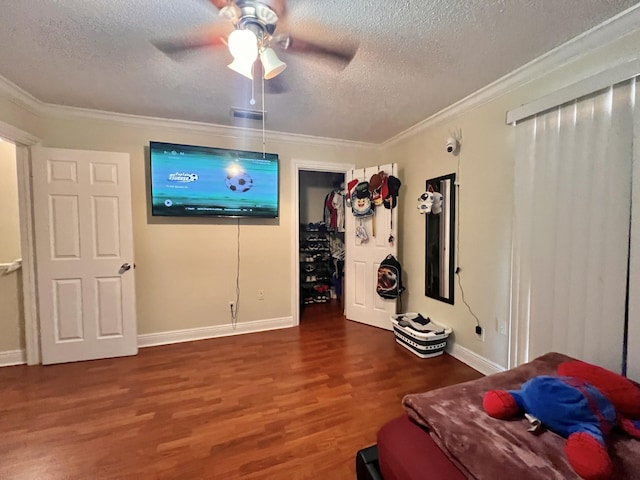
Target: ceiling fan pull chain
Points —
{"points": [[253, 91]]}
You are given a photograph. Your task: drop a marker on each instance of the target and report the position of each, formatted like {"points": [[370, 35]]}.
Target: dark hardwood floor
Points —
{"points": [[286, 404]]}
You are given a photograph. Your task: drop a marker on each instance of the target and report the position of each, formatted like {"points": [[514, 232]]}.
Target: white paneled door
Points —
{"points": [[84, 254], [362, 303]]}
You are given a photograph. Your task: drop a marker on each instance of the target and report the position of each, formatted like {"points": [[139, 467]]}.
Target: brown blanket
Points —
{"points": [[486, 448]]}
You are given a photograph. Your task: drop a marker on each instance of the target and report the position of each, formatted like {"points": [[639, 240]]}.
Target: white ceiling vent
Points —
{"points": [[248, 114]]}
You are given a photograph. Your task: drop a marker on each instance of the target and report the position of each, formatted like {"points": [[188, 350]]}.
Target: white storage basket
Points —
{"points": [[422, 344]]}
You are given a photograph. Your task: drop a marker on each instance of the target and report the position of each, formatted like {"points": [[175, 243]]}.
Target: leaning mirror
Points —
{"points": [[439, 208]]}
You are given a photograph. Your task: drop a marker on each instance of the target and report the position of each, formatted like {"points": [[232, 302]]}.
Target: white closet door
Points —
{"points": [[362, 303]]}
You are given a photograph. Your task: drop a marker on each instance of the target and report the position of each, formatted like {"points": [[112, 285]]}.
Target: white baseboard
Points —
{"points": [[475, 361], [12, 357], [191, 334]]}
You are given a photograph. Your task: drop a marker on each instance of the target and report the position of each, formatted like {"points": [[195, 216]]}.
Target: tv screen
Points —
{"points": [[192, 181]]}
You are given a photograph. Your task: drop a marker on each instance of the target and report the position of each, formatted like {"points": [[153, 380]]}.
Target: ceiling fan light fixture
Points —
{"points": [[243, 46], [242, 67], [273, 66]]}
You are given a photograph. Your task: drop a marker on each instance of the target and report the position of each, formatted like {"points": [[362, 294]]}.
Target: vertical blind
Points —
{"points": [[573, 184], [633, 334]]}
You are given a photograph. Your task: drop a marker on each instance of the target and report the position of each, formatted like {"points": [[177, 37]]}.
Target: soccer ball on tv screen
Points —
{"points": [[239, 182]]}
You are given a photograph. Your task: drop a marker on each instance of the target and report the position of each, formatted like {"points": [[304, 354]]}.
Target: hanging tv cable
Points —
{"points": [[264, 144]]}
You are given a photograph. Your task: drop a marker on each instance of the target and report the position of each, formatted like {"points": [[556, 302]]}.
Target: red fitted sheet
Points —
{"points": [[407, 452]]}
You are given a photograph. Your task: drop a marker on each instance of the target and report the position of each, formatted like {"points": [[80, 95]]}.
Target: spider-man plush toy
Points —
{"points": [[582, 404]]}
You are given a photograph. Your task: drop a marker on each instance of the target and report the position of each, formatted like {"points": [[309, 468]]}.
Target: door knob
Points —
{"points": [[123, 268]]}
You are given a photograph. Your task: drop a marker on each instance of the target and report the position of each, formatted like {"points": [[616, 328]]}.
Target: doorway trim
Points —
{"points": [[298, 166], [23, 141]]}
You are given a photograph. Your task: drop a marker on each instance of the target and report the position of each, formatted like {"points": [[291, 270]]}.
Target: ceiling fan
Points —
{"points": [[248, 29]]}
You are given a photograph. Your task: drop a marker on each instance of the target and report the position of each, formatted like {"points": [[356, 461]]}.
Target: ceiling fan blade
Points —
{"points": [[343, 53], [214, 36], [220, 4]]}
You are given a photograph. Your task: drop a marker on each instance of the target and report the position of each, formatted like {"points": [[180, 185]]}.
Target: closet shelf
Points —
{"points": [[315, 268]]}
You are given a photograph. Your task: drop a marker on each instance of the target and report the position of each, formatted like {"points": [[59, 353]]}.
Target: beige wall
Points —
{"points": [[314, 187], [312, 204], [484, 223], [186, 269], [485, 202], [9, 213], [11, 316]]}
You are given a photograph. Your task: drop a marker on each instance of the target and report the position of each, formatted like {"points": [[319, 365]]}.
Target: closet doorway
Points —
{"points": [[25, 289], [11, 295], [321, 241], [317, 237]]}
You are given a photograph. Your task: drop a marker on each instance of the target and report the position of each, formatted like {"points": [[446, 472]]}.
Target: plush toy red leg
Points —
{"points": [[632, 427], [588, 457], [499, 404]]}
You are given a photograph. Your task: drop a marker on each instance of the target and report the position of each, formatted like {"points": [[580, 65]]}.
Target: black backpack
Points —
{"points": [[389, 278]]}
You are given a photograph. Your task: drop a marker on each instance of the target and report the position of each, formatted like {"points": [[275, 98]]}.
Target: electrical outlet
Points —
{"points": [[232, 305], [260, 294], [480, 332], [502, 327]]}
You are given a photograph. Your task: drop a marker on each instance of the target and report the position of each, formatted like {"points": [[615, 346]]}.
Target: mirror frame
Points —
{"points": [[449, 205]]}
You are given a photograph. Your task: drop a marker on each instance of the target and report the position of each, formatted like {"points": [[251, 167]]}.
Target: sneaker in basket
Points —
{"points": [[418, 323]]}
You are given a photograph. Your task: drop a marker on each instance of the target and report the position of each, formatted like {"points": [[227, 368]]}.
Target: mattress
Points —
{"points": [[456, 421], [407, 452]]}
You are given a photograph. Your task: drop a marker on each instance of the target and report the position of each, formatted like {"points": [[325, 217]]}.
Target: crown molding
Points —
{"points": [[13, 134], [24, 99], [20, 97], [129, 120], [610, 30]]}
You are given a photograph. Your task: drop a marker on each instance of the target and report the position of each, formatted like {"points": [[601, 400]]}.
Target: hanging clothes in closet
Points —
{"points": [[334, 217], [334, 210]]}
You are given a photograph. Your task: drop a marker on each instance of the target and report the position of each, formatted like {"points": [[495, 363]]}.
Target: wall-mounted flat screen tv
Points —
{"points": [[192, 181]]}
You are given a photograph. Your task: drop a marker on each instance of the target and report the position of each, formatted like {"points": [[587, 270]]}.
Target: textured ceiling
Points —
{"points": [[415, 57]]}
